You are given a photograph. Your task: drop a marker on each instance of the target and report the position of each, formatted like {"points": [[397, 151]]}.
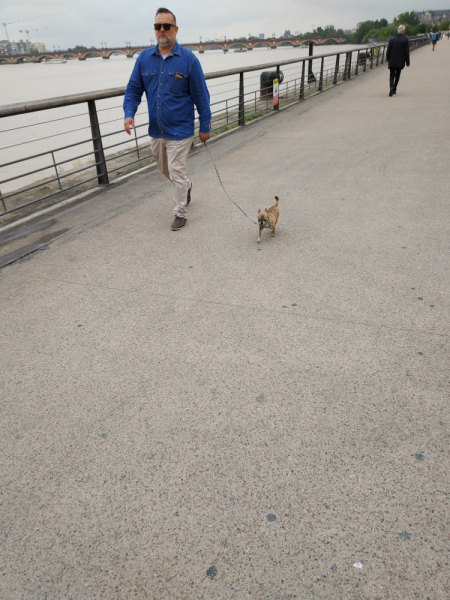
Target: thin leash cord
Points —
{"points": [[226, 193]]}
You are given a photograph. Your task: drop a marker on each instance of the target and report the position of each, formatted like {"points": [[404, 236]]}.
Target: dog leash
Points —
{"points": [[226, 193]]}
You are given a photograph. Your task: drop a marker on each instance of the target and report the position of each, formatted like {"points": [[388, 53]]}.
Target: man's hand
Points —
{"points": [[128, 125], [204, 137]]}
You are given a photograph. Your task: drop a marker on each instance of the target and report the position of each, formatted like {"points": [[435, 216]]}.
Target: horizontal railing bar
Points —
{"points": [[6, 212], [37, 105], [142, 149], [128, 164], [45, 138], [43, 122], [52, 180], [128, 141], [47, 152]]}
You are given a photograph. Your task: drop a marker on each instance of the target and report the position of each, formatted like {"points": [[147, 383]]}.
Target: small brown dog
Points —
{"points": [[268, 218]]}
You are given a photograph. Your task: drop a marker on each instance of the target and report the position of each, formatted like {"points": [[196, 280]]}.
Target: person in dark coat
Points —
{"points": [[397, 56]]}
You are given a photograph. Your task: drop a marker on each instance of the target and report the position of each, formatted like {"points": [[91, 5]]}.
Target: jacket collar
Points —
{"points": [[175, 50]]}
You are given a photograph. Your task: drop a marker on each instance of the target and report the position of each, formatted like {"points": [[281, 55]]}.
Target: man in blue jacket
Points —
{"points": [[173, 82], [397, 55]]}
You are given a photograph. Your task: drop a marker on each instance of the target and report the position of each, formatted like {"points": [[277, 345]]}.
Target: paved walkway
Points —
{"points": [[194, 416]]}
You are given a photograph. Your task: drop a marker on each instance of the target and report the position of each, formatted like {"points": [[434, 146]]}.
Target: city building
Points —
{"points": [[22, 47], [431, 17], [287, 35], [5, 48], [40, 47], [358, 25], [261, 36]]}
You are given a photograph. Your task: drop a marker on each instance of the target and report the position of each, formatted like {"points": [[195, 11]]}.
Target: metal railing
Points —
{"points": [[96, 146]]}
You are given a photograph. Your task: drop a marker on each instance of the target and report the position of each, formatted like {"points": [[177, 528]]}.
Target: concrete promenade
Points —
{"points": [[190, 415]]}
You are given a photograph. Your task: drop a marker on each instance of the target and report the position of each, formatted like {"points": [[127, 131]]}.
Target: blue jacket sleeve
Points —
{"points": [[134, 91], [200, 95]]}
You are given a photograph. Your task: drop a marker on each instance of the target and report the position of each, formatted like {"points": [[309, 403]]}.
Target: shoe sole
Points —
{"points": [[391, 93], [177, 228]]}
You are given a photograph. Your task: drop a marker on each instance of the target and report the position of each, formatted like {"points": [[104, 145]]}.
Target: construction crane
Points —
{"points": [[6, 29], [27, 32], [12, 23]]}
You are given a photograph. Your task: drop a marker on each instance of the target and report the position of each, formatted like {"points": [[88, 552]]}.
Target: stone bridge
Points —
{"points": [[131, 51]]}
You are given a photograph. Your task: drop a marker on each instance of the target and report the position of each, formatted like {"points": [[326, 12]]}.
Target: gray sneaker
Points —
{"points": [[189, 195], [178, 223]]}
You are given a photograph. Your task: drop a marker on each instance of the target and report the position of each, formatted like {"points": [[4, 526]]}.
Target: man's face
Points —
{"points": [[166, 38]]}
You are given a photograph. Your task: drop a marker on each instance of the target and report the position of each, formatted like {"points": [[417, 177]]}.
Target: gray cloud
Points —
{"points": [[89, 22]]}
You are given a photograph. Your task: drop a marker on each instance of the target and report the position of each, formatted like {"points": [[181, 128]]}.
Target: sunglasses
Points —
{"points": [[166, 26]]}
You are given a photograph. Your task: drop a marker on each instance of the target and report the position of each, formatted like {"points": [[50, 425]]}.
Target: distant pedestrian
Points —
{"points": [[397, 56], [173, 82], [434, 39]]}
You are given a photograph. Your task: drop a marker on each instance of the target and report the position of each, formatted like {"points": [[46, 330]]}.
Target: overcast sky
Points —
{"points": [[66, 23]]}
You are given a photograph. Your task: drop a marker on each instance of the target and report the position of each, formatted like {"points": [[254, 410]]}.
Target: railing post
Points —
{"points": [[357, 65], [311, 76], [321, 75], [344, 76], [382, 58], [371, 58], [378, 56], [302, 84], [350, 65], [241, 100], [336, 69], [102, 172], [56, 171]]}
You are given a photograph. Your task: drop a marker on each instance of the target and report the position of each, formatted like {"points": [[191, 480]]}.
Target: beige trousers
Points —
{"points": [[171, 156]]}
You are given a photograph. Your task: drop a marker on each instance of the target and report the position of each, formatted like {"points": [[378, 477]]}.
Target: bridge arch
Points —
{"points": [[262, 45], [214, 47], [69, 55], [237, 45], [44, 57], [286, 43], [330, 42], [93, 54], [116, 52]]}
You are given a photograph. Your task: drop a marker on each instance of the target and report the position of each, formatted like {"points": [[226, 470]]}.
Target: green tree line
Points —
{"points": [[382, 30]]}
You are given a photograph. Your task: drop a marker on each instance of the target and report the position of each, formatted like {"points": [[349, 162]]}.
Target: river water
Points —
{"points": [[28, 135]]}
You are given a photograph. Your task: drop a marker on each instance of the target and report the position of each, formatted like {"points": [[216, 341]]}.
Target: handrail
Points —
{"points": [[20, 108], [234, 110]]}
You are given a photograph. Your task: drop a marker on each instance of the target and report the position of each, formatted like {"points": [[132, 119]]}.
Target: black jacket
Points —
{"points": [[398, 52]]}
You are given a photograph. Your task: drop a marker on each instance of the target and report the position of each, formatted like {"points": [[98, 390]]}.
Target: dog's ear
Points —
{"points": [[265, 210], [259, 210]]}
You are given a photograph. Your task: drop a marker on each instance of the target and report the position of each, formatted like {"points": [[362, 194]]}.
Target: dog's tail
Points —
{"points": [[277, 199]]}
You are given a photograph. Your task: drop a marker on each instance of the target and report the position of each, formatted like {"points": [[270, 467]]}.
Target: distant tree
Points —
{"points": [[78, 48], [407, 18], [436, 28], [252, 37], [92, 48], [445, 26]]}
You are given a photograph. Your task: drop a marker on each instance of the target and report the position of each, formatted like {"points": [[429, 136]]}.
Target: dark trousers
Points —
{"points": [[394, 78]]}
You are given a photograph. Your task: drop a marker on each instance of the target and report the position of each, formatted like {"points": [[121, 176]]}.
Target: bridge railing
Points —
{"points": [[50, 148]]}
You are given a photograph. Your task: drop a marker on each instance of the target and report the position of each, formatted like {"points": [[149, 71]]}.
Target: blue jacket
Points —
{"points": [[172, 87]]}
